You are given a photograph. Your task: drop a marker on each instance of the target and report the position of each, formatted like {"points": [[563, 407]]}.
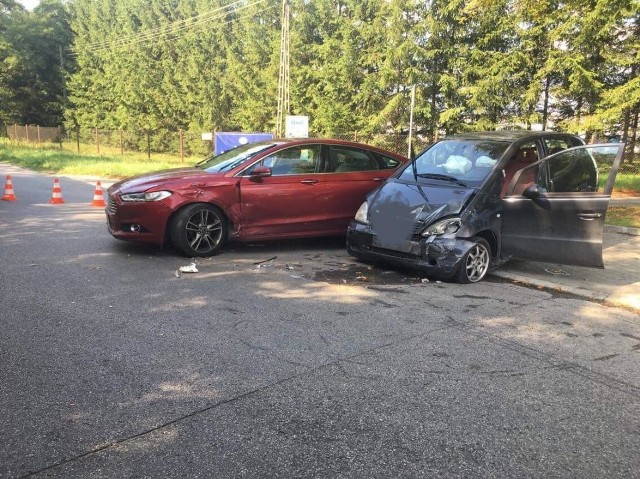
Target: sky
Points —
{"points": [[29, 4]]}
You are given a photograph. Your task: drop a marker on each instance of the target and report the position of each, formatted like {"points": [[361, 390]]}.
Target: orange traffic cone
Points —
{"points": [[56, 196], [9, 195], [98, 197]]}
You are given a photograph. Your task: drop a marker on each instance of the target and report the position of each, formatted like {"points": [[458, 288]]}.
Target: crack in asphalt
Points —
{"points": [[234, 399], [450, 322]]}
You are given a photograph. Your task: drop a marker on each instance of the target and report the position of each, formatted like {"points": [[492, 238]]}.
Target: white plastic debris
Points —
{"points": [[424, 280], [188, 269]]}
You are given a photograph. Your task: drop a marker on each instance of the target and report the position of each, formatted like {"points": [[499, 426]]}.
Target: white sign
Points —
{"points": [[208, 136], [296, 127]]}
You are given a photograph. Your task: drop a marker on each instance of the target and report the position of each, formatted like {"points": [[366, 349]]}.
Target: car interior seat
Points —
{"points": [[349, 163], [523, 158], [287, 163], [555, 150]]}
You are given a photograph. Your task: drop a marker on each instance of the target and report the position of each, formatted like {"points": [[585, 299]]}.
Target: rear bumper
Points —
{"points": [[438, 257]]}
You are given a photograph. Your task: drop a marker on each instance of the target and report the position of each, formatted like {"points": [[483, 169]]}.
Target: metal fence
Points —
{"points": [[178, 143], [96, 141], [185, 144]]}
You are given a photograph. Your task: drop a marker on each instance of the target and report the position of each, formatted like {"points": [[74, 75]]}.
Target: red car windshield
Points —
{"points": [[230, 159]]}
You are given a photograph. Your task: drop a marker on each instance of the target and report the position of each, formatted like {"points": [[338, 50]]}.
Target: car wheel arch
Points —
{"points": [[174, 214], [491, 238]]}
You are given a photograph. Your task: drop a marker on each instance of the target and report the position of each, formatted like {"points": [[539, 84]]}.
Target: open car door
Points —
{"points": [[559, 218]]}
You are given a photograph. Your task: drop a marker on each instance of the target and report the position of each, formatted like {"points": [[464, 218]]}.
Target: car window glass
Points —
{"points": [[581, 170], [389, 163], [523, 157], [469, 161], [297, 160], [571, 171], [230, 159], [346, 159], [555, 145]]}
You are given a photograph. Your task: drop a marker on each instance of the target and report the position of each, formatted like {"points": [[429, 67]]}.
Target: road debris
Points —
{"points": [[424, 280], [265, 260], [191, 268], [264, 263], [557, 272]]}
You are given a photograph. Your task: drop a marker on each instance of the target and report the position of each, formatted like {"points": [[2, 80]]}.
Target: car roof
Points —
{"points": [[508, 135]]}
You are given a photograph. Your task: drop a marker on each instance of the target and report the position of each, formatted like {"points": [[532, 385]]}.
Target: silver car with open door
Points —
{"points": [[471, 202]]}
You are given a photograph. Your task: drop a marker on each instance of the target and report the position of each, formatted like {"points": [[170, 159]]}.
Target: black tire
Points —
{"points": [[199, 230], [476, 263]]}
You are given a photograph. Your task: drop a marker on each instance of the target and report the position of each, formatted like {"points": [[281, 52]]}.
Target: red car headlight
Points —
{"points": [[153, 196]]}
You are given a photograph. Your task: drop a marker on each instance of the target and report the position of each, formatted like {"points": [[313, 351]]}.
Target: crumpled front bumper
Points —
{"points": [[436, 256]]}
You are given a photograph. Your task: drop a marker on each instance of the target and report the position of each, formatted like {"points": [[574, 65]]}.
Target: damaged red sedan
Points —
{"points": [[288, 188]]}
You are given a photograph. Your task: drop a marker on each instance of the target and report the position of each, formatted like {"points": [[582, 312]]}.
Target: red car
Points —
{"points": [[288, 188]]}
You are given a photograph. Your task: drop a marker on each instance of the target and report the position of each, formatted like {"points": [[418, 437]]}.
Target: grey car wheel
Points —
{"points": [[199, 230], [475, 263]]}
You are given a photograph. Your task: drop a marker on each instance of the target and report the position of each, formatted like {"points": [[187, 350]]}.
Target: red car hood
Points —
{"points": [[138, 184]]}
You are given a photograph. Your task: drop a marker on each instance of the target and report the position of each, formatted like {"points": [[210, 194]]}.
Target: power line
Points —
{"points": [[172, 28], [167, 29]]}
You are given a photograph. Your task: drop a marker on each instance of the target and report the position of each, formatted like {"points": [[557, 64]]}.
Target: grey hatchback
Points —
{"points": [[471, 202]]}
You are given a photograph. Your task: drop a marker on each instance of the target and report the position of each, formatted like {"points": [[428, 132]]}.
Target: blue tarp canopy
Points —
{"points": [[226, 140]]}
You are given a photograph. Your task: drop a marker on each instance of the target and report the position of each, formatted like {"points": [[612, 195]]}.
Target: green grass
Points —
{"points": [[628, 182], [54, 160], [624, 216]]}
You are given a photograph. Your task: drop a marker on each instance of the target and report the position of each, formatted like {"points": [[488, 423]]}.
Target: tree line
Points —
{"points": [[203, 65]]}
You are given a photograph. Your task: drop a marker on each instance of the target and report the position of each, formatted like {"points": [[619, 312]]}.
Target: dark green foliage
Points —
{"points": [[156, 66], [32, 73]]}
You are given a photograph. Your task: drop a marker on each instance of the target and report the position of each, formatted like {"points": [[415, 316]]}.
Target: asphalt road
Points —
{"points": [[306, 365]]}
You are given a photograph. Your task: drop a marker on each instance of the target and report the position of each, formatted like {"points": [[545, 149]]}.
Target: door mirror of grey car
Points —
{"points": [[532, 191], [261, 172]]}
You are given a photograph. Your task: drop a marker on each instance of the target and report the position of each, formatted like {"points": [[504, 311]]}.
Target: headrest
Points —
{"points": [[527, 155]]}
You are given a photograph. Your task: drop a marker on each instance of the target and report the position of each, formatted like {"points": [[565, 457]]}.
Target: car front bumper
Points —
{"points": [[436, 256], [148, 219]]}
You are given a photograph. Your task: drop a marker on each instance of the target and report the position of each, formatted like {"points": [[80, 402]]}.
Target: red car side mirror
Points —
{"points": [[261, 172]]}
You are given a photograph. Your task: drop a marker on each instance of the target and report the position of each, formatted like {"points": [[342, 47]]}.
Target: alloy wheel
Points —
{"points": [[477, 263], [203, 230]]}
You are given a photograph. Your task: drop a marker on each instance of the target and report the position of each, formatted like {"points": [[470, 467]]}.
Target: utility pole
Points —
{"points": [[283, 77]]}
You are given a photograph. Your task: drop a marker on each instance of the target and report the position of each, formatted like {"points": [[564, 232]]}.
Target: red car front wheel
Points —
{"points": [[199, 230]]}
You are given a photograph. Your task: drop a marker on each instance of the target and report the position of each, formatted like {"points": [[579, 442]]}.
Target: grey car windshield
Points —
{"points": [[462, 162], [230, 159]]}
